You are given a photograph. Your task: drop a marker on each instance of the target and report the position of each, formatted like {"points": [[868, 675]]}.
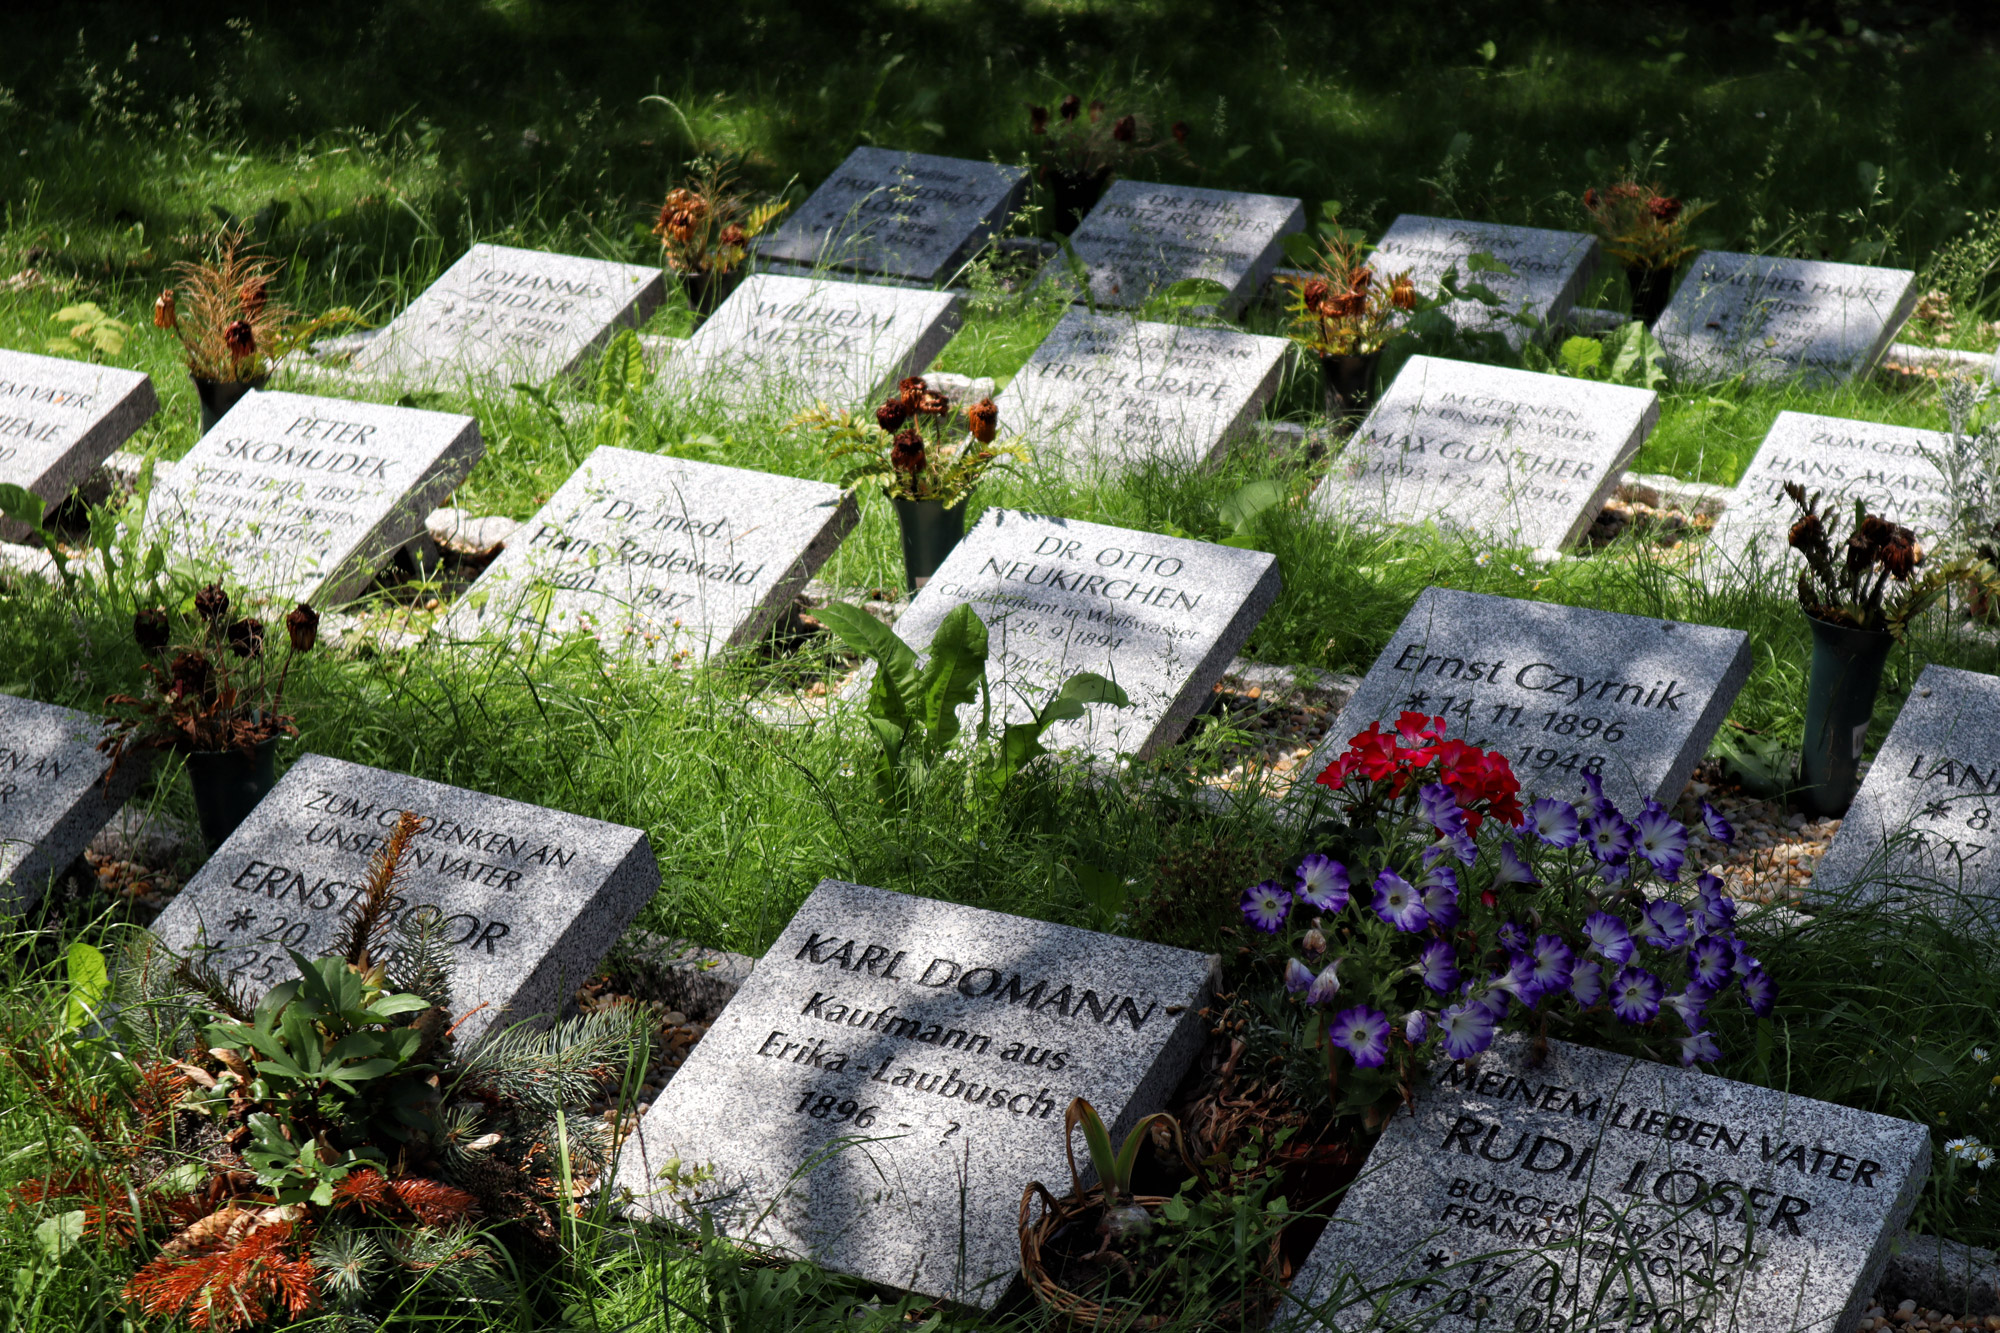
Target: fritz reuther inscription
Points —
{"points": [[533, 897], [1589, 1191], [896, 1069]]}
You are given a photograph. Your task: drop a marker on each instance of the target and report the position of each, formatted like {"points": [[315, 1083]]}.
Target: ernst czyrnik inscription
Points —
{"points": [[1589, 1191], [532, 897], [896, 1069]]}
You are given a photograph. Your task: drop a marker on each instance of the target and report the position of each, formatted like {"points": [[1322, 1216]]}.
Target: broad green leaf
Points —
{"points": [[1301, 249], [1479, 261], [388, 1006], [952, 675], [21, 505], [1581, 356], [55, 1236], [89, 982]]}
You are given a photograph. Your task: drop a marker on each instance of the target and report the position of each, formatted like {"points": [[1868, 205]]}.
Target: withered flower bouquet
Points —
{"points": [[1088, 141], [706, 225], [917, 445], [1642, 227], [223, 311], [1849, 582], [1341, 308], [218, 690]]}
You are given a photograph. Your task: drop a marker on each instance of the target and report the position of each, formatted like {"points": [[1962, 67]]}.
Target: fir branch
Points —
{"points": [[199, 976], [559, 1067], [365, 923]]}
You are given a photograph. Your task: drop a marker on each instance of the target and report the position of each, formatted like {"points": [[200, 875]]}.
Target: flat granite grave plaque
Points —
{"points": [[1507, 456], [1103, 393], [1162, 616], [1883, 466], [896, 1069], [1764, 317], [302, 498], [503, 314], [59, 419], [1142, 238], [534, 896], [1921, 830], [783, 344], [1559, 690], [667, 557], [904, 215], [1599, 1192], [52, 793], [1547, 269]]}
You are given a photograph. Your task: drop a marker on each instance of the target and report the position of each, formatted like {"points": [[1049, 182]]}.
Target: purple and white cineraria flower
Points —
{"points": [[1593, 783], [1512, 937], [1416, 1026], [1711, 961], [1298, 977], [1586, 982], [1636, 995], [1699, 1046], [1553, 962], [1467, 1029], [1397, 902], [1609, 938], [1266, 906], [1440, 807], [1513, 870], [1438, 891], [1363, 1033], [1322, 883], [1760, 992], [1691, 1004], [1609, 836], [1662, 840], [1554, 822]]}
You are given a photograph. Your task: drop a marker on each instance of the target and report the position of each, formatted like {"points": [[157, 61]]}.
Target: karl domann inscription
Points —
{"points": [[1560, 690], [1589, 1191], [896, 1069], [532, 897]]}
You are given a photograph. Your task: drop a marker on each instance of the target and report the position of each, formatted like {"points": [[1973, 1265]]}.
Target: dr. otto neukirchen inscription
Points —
{"points": [[948, 1040], [1588, 1191], [531, 897], [1561, 691]]}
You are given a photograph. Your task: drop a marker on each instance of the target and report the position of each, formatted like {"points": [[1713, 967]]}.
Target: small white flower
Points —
{"points": [[1982, 1157], [1979, 1055], [1518, 570], [1969, 1150], [1483, 559]]}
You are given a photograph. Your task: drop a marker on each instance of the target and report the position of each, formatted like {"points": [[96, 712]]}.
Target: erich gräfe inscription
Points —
{"points": [[1882, 466], [896, 1069], [1142, 238], [506, 314], [1161, 616], [1597, 1192], [666, 557], [784, 344], [1560, 690], [535, 896], [903, 215], [52, 794], [1507, 456], [1547, 269], [303, 498], [1102, 393], [1767, 318], [1922, 830], [59, 419]]}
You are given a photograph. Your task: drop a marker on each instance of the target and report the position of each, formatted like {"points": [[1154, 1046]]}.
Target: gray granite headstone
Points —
{"points": [[52, 793], [1922, 829], [1142, 238], [1507, 456], [533, 897], [1883, 466], [303, 498], [1766, 318], [1161, 616], [893, 1073], [504, 314], [904, 215], [783, 344], [59, 419], [1548, 269], [666, 557], [1557, 689], [1103, 392], [1595, 1191]]}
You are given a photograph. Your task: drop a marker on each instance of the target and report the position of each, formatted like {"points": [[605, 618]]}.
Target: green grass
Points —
{"points": [[398, 133]]}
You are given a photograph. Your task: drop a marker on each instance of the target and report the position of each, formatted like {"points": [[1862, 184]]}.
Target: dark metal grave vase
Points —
{"points": [[930, 531], [228, 784], [218, 396], [707, 290], [1840, 701], [1651, 287], [1350, 383], [1072, 194]]}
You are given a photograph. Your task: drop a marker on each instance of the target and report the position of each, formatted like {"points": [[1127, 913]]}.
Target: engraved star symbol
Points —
{"points": [[1435, 1260], [242, 919], [1418, 701], [1935, 810]]}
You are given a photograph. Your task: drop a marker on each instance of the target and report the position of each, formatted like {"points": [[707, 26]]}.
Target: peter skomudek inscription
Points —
{"points": [[1589, 1191], [875, 1095]]}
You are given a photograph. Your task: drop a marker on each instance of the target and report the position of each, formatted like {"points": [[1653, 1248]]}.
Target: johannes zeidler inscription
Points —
{"points": [[1922, 829], [667, 557], [533, 896], [1602, 1193], [1561, 691], [53, 797], [895, 1070], [302, 498]]}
